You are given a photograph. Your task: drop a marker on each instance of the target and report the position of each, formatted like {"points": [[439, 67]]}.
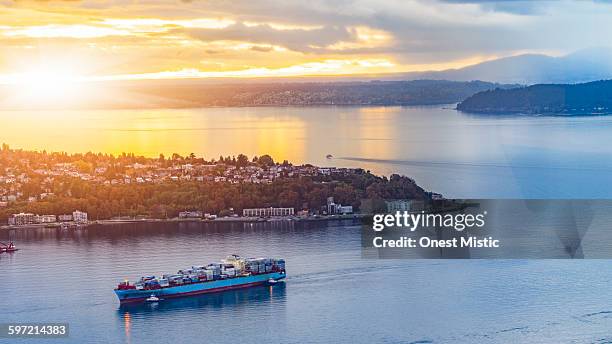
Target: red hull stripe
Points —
{"points": [[197, 292]]}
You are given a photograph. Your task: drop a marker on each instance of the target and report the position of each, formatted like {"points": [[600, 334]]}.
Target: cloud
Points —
{"points": [[158, 35], [262, 49], [523, 7], [302, 40]]}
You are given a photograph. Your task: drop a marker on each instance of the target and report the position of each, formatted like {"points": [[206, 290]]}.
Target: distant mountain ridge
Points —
{"points": [[591, 98], [527, 69]]}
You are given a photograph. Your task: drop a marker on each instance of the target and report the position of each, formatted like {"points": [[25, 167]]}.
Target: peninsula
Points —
{"points": [[104, 186], [592, 98]]}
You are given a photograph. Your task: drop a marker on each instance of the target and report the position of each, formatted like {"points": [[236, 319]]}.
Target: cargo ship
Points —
{"points": [[233, 272]]}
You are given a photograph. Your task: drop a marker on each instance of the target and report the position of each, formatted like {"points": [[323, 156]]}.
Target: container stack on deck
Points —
{"points": [[231, 267]]}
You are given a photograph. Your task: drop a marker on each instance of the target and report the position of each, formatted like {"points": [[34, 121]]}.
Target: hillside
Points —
{"points": [[189, 93], [418, 92], [580, 99]]}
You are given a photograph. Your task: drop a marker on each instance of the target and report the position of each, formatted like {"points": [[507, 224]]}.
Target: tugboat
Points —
{"points": [[10, 247], [153, 298]]}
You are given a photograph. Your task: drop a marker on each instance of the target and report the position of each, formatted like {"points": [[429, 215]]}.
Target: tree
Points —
{"points": [[83, 166], [265, 161], [242, 160], [345, 194], [289, 198]]}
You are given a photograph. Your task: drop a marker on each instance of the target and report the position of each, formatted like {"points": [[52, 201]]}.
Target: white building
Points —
{"points": [[401, 205], [345, 209], [325, 171], [337, 208], [190, 214], [47, 218], [22, 219], [267, 212], [79, 216], [436, 196], [331, 206], [65, 218]]}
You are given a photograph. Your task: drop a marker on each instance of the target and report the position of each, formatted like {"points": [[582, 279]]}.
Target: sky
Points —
{"points": [[44, 41]]}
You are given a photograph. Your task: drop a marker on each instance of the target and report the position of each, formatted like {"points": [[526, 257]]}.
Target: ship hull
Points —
{"points": [[133, 295]]}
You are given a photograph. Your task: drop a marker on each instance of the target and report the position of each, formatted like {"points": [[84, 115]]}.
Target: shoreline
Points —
{"points": [[239, 219]]}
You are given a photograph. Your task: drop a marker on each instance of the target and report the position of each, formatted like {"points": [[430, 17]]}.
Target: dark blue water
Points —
{"points": [[331, 294]]}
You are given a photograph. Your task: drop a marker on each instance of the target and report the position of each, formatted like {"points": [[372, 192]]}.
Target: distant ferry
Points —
{"points": [[233, 272]]}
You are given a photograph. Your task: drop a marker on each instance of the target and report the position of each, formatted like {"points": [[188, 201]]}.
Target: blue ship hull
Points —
{"points": [[133, 295]]}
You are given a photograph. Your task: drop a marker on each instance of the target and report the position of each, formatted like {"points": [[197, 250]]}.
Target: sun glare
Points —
{"points": [[44, 85]]}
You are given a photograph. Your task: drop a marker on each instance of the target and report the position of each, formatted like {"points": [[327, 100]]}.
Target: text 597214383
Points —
{"points": [[31, 330]]}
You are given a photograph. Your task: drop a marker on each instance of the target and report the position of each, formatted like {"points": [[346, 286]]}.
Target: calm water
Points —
{"points": [[444, 150], [331, 295]]}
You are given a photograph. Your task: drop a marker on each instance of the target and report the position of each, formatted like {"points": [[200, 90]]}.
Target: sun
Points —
{"points": [[45, 84]]}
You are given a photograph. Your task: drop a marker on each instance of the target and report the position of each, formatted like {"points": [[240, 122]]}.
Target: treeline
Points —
{"points": [[15, 158], [588, 98], [167, 199]]}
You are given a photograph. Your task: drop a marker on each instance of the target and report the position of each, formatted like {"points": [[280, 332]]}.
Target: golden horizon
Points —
{"points": [[50, 48]]}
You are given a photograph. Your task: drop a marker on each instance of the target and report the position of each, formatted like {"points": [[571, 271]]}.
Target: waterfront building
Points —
{"points": [[336, 208], [64, 218], [47, 218], [190, 214], [331, 206], [396, 205], [79, 216], [23, 219], [345, 209], [267, 212]]}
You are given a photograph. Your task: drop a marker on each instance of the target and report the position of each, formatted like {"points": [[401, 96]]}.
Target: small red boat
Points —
{"points": [[10, 247]]}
